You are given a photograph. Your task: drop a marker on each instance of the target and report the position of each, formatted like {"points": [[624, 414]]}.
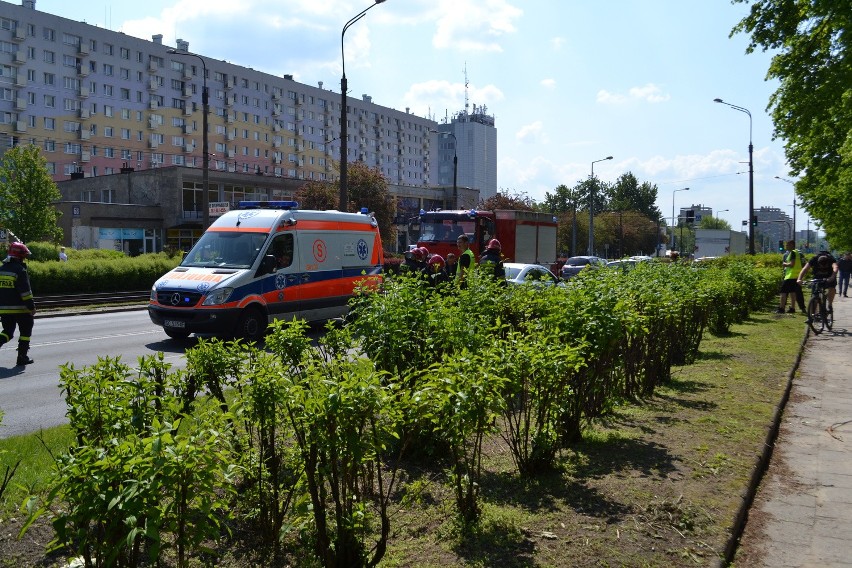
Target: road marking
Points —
{"points": [[97, 338]]}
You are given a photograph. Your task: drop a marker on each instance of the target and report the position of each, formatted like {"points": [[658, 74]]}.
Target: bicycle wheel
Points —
{"points": [[829, 316], [815, 320]]}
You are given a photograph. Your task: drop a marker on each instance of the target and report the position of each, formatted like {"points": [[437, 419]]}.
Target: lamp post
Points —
{"points": [[344, 158], [205, 146], [750, 174], [791, 182], [592, 207], [674, 219], [455, 164]]}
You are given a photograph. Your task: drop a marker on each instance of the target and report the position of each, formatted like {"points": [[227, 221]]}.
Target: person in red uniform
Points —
{"points": [[17, 306]]}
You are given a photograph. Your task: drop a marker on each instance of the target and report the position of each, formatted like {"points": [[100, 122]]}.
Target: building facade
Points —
{"points": [[102, 103], [472, 138]]}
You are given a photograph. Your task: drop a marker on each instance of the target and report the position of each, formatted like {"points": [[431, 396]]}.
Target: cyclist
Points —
{"points": [[825, 267]]}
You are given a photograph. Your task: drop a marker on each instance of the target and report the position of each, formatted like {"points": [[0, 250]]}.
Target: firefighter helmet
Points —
{"points": [[436, 263], [494, 244], [19, 251]]}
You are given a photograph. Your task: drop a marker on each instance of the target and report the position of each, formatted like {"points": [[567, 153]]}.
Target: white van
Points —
{"points": [[267, 261]]}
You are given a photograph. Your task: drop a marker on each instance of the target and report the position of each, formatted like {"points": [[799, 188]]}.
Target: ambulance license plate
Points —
{"points": [[174, 323]]}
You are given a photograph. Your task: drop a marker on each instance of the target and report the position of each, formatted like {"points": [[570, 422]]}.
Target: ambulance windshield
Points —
{"points": [[225, 250]]}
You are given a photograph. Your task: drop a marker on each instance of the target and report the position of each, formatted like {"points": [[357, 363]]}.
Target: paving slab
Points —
{"points": [[802, 514]]}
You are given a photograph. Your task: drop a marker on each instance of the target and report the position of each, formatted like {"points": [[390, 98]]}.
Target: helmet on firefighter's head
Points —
{"points": [[436, 263], [494, 244], [19, 251], [420, 253]]}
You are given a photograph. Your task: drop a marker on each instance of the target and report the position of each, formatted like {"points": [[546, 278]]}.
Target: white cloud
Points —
{"points": [[548, 83], [437, 95], [557, 43], [532, 133], [473, 25], [649, 93]]}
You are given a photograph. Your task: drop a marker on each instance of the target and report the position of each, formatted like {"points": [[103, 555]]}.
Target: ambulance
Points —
{"points": [[267, 261]]}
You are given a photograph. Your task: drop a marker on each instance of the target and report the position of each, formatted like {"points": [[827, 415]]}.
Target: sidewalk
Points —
{"points": [[802, 513]]}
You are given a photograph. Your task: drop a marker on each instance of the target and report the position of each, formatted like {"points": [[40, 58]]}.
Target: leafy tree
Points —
{"points": [[26, 195], [627, 194], [709, 222], [508, 199], [319, 195], [811, 108], [367, 187], [562, 200]]}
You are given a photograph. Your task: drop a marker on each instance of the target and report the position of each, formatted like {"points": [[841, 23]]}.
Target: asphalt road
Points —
{"points": [[30, 397]]}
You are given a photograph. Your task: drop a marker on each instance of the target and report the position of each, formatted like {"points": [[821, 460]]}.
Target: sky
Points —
{"points": [[569, 82]]}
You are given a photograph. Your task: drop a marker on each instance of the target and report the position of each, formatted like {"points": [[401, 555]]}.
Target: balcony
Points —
{"points": [[187, 129], [20, 103], [153, 144], [85, 134], [18, 35], [83, 49], [187, 92], [153, 85], [85, 156], [20, 57], [83, 93], [20, 126]]}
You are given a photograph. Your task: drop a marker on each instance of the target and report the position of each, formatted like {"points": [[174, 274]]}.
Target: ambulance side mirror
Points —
{"points": [[267, 265]]}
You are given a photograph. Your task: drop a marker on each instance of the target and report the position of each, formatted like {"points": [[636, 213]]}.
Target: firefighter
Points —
{"points": [[17, 307], [491, 259]]}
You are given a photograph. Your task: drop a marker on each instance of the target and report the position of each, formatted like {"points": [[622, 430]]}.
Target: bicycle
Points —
{"points": [[820, 314]]}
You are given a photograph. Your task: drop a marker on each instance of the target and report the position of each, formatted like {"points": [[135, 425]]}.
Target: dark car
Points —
{"points": [[575, 264]]}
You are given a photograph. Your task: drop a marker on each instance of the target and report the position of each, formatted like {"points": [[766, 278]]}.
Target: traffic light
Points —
{"points": [[781, 245], [754, 220]]}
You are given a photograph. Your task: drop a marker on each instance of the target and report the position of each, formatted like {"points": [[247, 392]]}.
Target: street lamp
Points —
{"points": [[674, 219], [205, 147], [750, 175], [344, 196], [592, 207], [455, 164], [791, 182]]}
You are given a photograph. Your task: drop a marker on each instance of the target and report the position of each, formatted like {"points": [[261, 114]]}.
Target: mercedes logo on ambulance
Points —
{"points": [[176, 299]]}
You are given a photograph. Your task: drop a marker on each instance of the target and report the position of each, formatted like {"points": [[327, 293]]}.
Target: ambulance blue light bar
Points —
{"points": [[269, 204]]}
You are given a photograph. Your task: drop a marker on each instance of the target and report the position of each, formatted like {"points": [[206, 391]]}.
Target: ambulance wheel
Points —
{"points": [[175, 334], [252, 325]]}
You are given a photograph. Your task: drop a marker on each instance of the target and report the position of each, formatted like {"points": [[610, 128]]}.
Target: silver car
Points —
{"points": [[535, 274], [575, 264]]}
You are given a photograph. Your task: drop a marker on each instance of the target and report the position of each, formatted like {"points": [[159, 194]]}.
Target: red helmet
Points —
{"points": [[494, 244], [436, 263], [422, 253], [19, 251]]}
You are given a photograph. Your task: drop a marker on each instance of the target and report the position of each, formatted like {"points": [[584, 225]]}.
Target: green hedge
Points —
{"points": [[115, 274]]}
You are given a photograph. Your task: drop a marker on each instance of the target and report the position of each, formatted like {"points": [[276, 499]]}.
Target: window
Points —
{"points": [[125, 114], [71, 83], [108, 49], [108, 90], [125, 94], [124, 53], [72, 148], [125, 134], [109, 152], [49, 123], [49, 146], [70, 39], [124, 73], [108, 195], [49, 34], [108, 111], [71, 126], [108, 131], [108, 70], [70, 61], [49, 57]]}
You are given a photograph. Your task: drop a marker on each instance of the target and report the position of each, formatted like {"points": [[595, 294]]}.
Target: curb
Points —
{"points": [[84, 312], [762, 464]]}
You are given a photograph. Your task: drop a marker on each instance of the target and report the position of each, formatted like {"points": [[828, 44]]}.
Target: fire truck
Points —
{"points": [[526, 236]]}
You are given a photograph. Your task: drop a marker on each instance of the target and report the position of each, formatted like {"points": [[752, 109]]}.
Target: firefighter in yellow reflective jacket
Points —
{"points": [[17, 307]]}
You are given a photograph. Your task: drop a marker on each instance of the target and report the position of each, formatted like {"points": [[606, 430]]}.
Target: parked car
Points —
{"points": [[575, 264], [536, 274], [627, 264]]}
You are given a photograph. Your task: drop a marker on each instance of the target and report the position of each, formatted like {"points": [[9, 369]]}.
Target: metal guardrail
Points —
{"points": [[96, 298]]}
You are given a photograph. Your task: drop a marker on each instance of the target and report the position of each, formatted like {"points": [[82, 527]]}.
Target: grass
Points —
{"points": [[655, 483]]}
